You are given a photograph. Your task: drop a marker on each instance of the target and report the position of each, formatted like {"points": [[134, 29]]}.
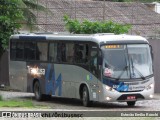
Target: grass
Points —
{"points": [[16, 103], [19, 103]]}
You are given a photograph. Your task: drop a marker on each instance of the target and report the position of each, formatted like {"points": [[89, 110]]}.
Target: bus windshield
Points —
{"points": [[127, 61]]}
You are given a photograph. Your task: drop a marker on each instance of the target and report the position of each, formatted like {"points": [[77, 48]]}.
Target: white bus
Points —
{"points": [[97, 67]]}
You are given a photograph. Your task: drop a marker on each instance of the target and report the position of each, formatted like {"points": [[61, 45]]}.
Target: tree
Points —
{"points": [[88, 27], [10, 15]]}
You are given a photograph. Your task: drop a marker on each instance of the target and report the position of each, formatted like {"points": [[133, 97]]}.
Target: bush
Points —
{"points": [[88, 27]]}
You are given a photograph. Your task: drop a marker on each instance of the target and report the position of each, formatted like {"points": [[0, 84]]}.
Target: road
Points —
{"points": [[74, 104], [64, 104]]}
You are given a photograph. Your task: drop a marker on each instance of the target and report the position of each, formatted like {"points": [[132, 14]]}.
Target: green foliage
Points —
{"points": [[88, 27], [9, 16]]}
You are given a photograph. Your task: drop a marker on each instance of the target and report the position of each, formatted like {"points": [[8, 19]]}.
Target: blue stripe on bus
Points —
{"points": [[58, 83], [122, 87], [48, 85], [48, 71], [51, 72], [51, 83]]}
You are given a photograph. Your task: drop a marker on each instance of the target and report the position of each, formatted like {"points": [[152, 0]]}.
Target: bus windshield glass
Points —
{"points": [[127, 61]]}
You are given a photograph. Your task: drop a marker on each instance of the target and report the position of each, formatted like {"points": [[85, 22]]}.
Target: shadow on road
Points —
{"points": [[70, 102]]}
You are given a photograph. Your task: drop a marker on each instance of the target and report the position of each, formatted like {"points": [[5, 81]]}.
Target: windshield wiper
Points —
{"points": [[142, 76], [134, 68], [120, 75]]}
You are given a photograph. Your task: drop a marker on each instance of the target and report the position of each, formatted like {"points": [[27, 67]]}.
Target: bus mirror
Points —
{"points": [[99, 60]]}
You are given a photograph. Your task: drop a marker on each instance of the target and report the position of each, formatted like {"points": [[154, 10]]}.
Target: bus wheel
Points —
{"points": [[85, 97], [37, 91], [131, 103]]}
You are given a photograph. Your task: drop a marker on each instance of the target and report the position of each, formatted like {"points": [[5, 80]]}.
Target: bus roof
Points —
{"points": [[100, 38]]}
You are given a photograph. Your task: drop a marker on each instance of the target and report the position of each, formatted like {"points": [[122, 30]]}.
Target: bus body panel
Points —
{"points": [[56, 80], [66, 87], [64, 79], [72, 77], [18, 75]]}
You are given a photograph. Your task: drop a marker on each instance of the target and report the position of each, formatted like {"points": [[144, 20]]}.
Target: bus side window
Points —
{"points": [[52, 52], [78, 53], [19, 50], [87, 53], [30, 51], [81, 53], [41, 53], [61, 52], [69, 52], [93, 62]]}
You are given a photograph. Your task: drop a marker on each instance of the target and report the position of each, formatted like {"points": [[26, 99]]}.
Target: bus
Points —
{"points": [[97, 67]]}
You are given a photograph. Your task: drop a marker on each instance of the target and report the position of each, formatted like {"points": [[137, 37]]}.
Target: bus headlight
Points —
{"points": [[151, 96], [109, 89], [150, 86], [108, 98], [34, 71]]}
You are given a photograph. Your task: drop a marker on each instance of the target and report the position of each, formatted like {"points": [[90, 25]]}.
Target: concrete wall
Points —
{"points": [[156, 62]]}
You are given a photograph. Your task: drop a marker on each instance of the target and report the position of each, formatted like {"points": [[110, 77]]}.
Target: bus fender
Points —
{"points": [[33, 82], [81, 89]]}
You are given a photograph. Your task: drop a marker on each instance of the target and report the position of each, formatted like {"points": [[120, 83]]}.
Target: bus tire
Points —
{"points": [[131, 103], [37, 91], [85, 97]]}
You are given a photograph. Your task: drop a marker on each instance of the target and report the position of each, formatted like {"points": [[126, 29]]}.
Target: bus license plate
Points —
{"points": [[131, 97]]}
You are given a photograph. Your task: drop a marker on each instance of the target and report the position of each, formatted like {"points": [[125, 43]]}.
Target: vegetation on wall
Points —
{"points": [[14, 14], [88, 27], [9, 16], [29, 7]]}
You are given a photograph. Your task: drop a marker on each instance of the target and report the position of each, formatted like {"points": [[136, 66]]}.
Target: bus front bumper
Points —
{"points": [[115, 96]]}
